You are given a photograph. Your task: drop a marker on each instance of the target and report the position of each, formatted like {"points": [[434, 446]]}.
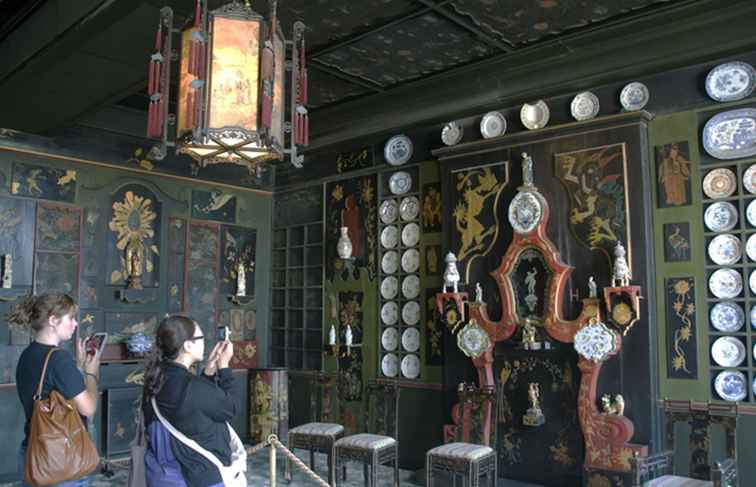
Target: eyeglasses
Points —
{"points": [[201, 337]]}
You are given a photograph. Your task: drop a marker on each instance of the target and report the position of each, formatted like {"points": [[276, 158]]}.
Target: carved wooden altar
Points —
{"points": [[607, 437]]}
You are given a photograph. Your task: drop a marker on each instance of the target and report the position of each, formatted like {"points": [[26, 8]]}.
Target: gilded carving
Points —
{"points": [[681, 311], [133, 220]]}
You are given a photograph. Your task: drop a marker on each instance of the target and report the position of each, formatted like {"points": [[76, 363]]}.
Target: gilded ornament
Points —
{"points": [[622, 314]]}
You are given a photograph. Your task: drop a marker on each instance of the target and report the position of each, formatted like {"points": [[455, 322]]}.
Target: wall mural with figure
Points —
{"points": [[596, 182], [474, 201], [677, 242], [673, 174]]}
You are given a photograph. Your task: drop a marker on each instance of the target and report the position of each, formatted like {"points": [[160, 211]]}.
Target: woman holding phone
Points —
{"points": [[196, 405], [51, 318]]}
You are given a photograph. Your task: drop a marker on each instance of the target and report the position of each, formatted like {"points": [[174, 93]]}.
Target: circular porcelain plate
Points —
{"points": [[725, 283], [389, 287], [390, 237], [584, 106], [411, 366], [400, 182], [752, 282], [411, 234], [751, 213], [725, 249], [410, 260], [452, 133], [390, 313], [751, 247], [534, 116], [749, 179], [721, 216], [728, 351], [390, 339], [719, 183], [409, 208], [411, 340], [730, 81], [727, 317], [390, 262], [731, 385], [389, 210], [634, 96], [390, 365], [398, 150], [411, 313], [493, 124], [411, 287], [753, 316]]}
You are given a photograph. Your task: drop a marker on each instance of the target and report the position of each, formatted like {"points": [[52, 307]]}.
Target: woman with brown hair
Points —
{"points": [[51, 318], [196, 405]]}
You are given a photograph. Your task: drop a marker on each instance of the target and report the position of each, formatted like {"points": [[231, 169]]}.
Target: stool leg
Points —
{"points": [[312, 460], [330, 467], [287, 470], [365, 474], [396, 470], [373, 474]]}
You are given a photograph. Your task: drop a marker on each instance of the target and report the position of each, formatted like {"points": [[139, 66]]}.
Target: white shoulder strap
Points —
{"points": [[183, 438]]}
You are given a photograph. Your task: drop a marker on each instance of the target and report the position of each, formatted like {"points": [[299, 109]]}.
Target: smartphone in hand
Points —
{"points": [[224, 333], [95, 343]]}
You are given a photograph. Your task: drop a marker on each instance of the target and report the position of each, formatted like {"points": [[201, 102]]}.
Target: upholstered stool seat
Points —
{"points": [[365, 441], [675, 481], [316, 438], [319, 429], [466, 459]]}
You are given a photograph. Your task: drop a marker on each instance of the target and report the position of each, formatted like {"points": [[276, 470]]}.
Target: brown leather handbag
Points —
{"points": [[59, 448]]}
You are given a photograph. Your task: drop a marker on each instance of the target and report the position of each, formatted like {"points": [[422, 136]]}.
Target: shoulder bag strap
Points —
{"points": [[186, 441], [38, 395]]}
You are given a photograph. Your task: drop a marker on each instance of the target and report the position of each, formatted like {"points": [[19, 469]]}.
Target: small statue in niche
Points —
{"points": [[531, 299], [528, 334], [332, 336], [592, 291], [534, 416], [241, 278], [134, 263], [621, 271], [616, 408], [7, 271], [534, 395], [478, 293], [348, 338], [451, 274], [527, 169]]}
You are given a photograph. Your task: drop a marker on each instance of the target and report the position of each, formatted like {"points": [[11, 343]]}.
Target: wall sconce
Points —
{"points": [[335, 349]]}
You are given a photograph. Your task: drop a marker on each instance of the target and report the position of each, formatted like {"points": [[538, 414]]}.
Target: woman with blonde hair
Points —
{"points": [[51, 318]]}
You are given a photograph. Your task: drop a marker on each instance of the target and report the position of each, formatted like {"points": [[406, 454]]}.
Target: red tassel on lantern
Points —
{"points": [[266, 74]]}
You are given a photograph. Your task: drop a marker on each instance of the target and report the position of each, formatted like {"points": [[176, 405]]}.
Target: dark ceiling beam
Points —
{"points": [[26, 8], [479, 34], [337, 73], [660, 40]]}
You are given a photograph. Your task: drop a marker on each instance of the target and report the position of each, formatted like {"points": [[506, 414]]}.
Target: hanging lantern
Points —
{"points": [[231, 105]]}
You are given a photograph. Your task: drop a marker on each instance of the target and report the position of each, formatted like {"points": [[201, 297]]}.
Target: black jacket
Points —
{"points": [[199, 407]]}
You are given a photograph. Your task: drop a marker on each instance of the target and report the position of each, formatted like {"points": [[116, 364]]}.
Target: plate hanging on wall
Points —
{"points": [[535, 116], [731, 134], [492, 125], [452, 133], [634, 96], [719, 183], [584, 106], [398, 150], [727, 317], [730, 81], [731, 385]]}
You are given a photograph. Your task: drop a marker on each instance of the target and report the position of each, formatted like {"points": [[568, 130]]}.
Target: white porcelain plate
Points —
{"points": [[731, 385], [634, 96], [535, 116], [390, 339], [752, 282], [390, 365], [751, 247], [725, 249], [584, 106], [409, 208], [411, 313], [389, 287], [411, 287], [452, 133], [390, 237], [719, 183], [749, 179], [751, 213], [390, 313], [411, 234], [389, 210], [411, 340], [411, 366], [493, 124], [400, 182], [730, 81], [728, 351], [410, 260], [721, 216], [398, 150], [726, 283], [727, 317], [753, 316], [390, 262], [731, 134]]}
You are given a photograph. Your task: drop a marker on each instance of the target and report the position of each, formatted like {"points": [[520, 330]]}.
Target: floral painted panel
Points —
{"points": [[58, 228], [416, 47], [238, 244], [682, 350], [16, 231], [214, 205], [203, 241], [120, 326], [56, 272], [43, 182], [596, 181], [351, 366], [434, 330], [524, 21], [120, 425]]}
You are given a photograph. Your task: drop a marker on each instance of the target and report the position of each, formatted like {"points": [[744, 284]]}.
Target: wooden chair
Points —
{"points": [[318, 436], [379, 445], [475, 460], [658, 470]]}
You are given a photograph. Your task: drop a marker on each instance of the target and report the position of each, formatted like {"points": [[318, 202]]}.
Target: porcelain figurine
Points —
{"points": [[592, 291], [241, 279], [451, 274], [134, 263], [7, 271], [534, 416], [621, 272], [344, 245], [478, 293], [528, 334], [534, 395], [348, 336], [332, 336], [527, 169]]}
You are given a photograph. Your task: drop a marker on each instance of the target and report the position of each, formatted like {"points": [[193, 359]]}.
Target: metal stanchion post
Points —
{"points": [[271, 440]]}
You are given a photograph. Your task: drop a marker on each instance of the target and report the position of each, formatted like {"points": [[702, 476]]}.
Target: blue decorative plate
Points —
{"points": [[730, 81], [730, 385], [727, 317], [731, 135]]}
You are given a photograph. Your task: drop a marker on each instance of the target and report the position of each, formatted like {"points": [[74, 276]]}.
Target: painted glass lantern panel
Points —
{"points": [[185, 83], [530, 278]]}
